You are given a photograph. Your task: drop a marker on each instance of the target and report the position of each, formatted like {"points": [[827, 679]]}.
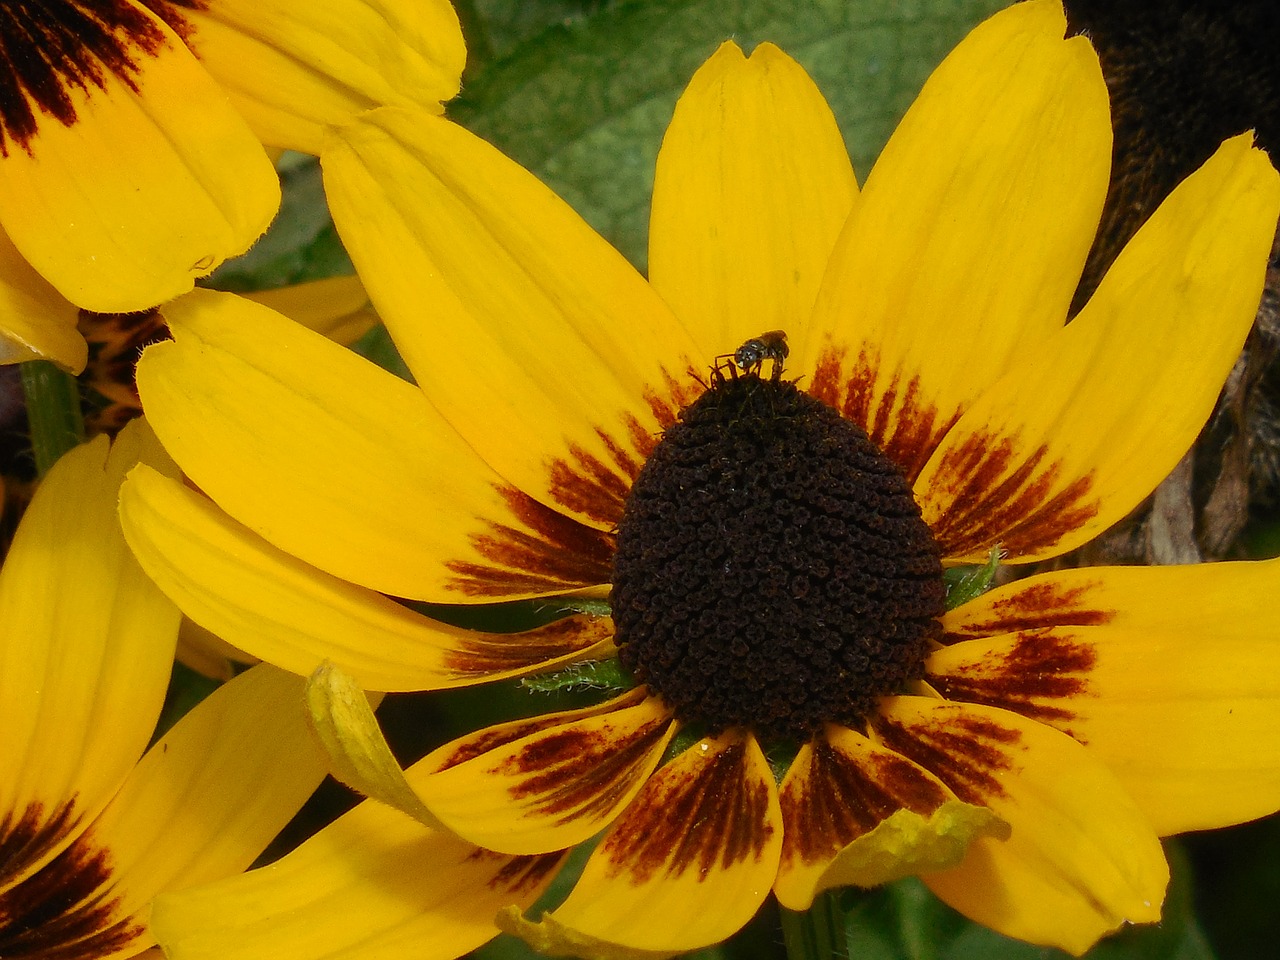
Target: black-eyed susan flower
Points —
{"points": [[131, 133], [771, 542], [90, 828]]}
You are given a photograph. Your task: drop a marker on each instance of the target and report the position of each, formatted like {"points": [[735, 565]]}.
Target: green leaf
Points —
{"points": [[970, 582], [585, 104]]}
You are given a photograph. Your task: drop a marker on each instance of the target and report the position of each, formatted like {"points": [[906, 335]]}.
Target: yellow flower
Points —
{"points": [[131, 157], [89, 833], [779, 539]]}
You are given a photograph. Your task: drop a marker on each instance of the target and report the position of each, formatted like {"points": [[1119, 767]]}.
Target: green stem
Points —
{"points": [[53, 411], [816, 933]]}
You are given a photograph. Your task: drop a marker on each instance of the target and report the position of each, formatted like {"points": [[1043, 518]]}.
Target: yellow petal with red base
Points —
{"points": [[36, 322], [1080, 860], [752, 187], [1095, 417], [372, 884], [85, 653], [214, 791], [856, 814], [1165, 674], [686, 865], [550, 782], [279, 609], [518, 292], [409, 509], [966, 243], [294, 68], [154, 183]]}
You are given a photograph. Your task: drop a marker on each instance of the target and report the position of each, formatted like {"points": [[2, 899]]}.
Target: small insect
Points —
{"points": [[750, 357]]}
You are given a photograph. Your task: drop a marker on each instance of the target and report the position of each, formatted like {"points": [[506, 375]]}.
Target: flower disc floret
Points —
{"points": [[772, 569]]}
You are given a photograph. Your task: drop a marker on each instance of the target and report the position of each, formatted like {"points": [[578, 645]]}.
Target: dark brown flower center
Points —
{"points": [[48, 48], [772, 567]]}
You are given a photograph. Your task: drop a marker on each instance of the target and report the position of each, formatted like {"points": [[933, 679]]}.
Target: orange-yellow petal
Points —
{"points": [[279, 609], [85, 652], [544, 784], [687, 864], [337, 307], [148, 181], [1080, 860], [966, 243], [36, 322], [1166, 674], [409, 509], [510, 311], [857, 814], [752, 187], [294, 68], [372, 884], [1095, 417]]}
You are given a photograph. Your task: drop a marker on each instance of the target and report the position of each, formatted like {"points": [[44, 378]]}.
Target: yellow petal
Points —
{"points": [[281, 610], [1080, 860], [752, 187], [294, 68], [687, 864], [36, 322], [86, 650], [1069, 443], [214, 791], [208, 654], [154, 184], [1166, 674], [509, 309], [544, 784], [970, 234], [372, 884], [856, 814], [408, 508], [359, 756], [336, 307]]}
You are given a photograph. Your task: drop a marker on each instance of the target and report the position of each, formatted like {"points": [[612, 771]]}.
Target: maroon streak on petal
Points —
{"points": [[842, 797], [691, 816], [907, 436], [28, 837], [997, 500], [1027, 605], [542, 551], [64, 909], [475, 744], [518, 875], [482, 655], [1038, 666], [963, 751], [50, 48]]}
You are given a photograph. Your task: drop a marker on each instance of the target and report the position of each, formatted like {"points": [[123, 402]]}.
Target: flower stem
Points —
{"points": [[53, 411], [816, 933]]}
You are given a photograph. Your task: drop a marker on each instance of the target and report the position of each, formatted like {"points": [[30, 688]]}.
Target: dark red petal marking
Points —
{"points": [[546, 551], [691, 817], [483, 654], [844, 798], [1017, 511], [60, 911], [1038, 602], [1043, 665], [473, 745], [543, 551], [50, 47], [28, 837], [963, 751], [908, 436], [574, 773], [518, 875]]}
